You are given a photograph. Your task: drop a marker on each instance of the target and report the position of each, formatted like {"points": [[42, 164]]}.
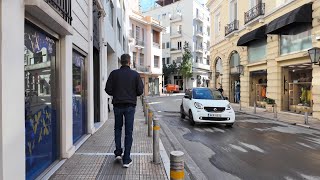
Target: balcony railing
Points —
{"points": [[176, 17], [199, 33], [199, 17], [253, 13], [157, 45], [142, 68], [233, 26], [62, 7], [139, 43]]}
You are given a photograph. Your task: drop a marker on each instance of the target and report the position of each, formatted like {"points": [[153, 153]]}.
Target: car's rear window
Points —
{"points": [[207, 94]]}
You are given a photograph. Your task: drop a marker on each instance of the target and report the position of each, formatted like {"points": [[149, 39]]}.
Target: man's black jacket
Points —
{"points": [[124, 85]]}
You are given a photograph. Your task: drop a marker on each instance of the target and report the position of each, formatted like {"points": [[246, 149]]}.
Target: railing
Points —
{"points": [[199, 33], [233, 26], [256, 11], [176, 17], [62, 7], [139, 43], [157, 45], [199, 49], [176, 49], [142, 68], [179, 32], [199, 17]]}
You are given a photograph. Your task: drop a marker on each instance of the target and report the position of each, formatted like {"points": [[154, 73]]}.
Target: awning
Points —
{"points": [[298, 16], [256, 34]]}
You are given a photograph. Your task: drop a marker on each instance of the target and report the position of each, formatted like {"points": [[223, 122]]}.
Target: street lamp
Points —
{"points": [[240, 69], [314, 54]]}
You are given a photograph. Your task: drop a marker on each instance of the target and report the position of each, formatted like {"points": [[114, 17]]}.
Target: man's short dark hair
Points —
{"points": [[125, 59]]}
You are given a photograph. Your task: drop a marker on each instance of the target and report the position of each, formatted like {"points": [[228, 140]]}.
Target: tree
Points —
{"points": [[167, 70], [185, 68]]}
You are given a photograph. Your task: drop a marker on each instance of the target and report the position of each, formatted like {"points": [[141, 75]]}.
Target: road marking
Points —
{"points": [[112, 154], [305, 145], [198, 129], [219, 130], [252, 147], [238, 148], [209, 130]]}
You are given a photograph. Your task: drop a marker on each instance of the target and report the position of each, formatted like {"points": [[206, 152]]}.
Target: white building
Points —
{"points": [[145, 36], [185, 21], [55, 59]]}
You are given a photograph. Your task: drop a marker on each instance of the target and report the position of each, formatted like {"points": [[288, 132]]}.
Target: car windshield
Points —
{"points": [[207, 94]]}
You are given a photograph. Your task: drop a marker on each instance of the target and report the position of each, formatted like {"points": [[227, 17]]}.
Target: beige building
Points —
{"points": [[270, 41], [145, 39]]}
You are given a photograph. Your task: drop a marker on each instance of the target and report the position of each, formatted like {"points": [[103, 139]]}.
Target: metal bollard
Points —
{"points": [[254, 108], [176, 165], [239, 105], [150, 115], [306, 116], [146, 114], [156, 137], [275, 111]]}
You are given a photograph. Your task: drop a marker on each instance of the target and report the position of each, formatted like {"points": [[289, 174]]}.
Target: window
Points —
{"points": [[163, 60], [168, 45], [207, 94], [179, 45], [233, 10], [296, 39], [141, 59], [156, 61], [142, 34], [119, 31], [234, 60], [164, 16], [163, 45], [168, 60], [179, 59], [208, 60], [197, 59], [110, 13], [138, 33], [197, 12], [134, 59], [257, 50]]}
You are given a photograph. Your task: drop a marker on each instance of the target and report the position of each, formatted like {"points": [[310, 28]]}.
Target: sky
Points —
{"points": [[147, 4]]}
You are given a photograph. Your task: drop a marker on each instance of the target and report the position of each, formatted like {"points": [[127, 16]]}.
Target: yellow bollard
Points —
{"points": [[176, 165], [150, 123]]}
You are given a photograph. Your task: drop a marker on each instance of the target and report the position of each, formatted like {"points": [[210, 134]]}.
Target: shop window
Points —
{"points": [[295, 40], [257, 50]]}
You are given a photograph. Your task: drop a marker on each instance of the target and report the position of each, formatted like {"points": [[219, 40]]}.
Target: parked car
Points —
{"points": [[205, 105], [172, 88]]}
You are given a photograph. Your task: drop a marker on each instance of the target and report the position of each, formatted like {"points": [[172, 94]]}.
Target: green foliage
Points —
{"points": [[269, 101], [185, 68]]}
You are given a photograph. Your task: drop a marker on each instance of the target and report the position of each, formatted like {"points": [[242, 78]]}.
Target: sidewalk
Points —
{"points": [[287, 117], [95, 158]]}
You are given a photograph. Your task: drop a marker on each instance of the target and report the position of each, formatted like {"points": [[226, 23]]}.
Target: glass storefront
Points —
{"points": [[234, 78], [41, 132], [78, 96]]}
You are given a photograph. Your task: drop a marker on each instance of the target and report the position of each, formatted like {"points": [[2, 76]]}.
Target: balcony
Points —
{"points": [[199, 34], [176, 50], [199, 18], [176, 34], [201, 66], [156, 45], [62, 7], [199, 49], [139, 43], [141, 68], [176, 18], [255, 12], [233, 26]]}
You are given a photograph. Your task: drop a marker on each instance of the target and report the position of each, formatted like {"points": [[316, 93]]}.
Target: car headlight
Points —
{"points": [[228, 107], [198, 105]]}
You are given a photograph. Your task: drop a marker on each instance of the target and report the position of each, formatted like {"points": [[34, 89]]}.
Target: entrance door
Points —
{"points": [[41, 119], [96, 84], [78, 99]]}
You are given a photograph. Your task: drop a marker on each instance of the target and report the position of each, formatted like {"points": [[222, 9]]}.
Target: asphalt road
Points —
{"points": [[254, 148]]}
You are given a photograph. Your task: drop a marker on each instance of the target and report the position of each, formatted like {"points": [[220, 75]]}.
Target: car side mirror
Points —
{"points": [[226, 98]]}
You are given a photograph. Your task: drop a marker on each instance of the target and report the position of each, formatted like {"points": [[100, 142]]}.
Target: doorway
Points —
{"points": [[96, 84]]}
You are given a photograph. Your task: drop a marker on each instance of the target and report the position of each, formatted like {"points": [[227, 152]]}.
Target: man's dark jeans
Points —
{"points": [[128, 114]]}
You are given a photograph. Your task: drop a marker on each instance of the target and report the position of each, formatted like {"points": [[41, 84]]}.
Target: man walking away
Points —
{"points": [[124, 85]]}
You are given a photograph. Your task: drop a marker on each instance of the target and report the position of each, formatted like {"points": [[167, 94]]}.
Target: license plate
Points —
{"points": [[214, 115]]}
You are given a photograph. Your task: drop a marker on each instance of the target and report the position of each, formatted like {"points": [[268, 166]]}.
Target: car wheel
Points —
{"points": [[229, 125], [191, 119], [182, 115]]}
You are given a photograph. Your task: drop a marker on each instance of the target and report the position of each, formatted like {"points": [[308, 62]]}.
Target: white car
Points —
{"points": [[204, 105]]}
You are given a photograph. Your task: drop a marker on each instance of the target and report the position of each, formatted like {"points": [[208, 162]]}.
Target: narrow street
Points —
{"points": [[254, 148]]}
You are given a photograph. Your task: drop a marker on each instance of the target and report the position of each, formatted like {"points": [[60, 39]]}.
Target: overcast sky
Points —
{"points": [[146, 4]]}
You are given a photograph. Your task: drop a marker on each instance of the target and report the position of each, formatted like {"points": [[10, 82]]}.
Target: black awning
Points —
{"points": [[298, 16], [256, 34]]}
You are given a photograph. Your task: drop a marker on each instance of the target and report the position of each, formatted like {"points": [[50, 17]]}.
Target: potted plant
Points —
{"points": [[269, 104]]}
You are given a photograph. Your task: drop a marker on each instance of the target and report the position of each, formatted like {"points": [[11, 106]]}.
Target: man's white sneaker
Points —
{"points": [[118, 157], [126, 165]]}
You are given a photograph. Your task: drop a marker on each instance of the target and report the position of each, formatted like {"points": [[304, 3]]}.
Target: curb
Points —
{"points": [[273, 119]]}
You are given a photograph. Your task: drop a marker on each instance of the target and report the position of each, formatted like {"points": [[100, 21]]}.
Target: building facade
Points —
{"points": [[55, 59], [185, 21], [145, 38], [269, 40]]}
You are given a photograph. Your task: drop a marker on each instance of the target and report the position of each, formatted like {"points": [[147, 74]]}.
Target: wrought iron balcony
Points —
{"points": [[253, 13], [233, 26], [62, 7], [139, 43]]}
